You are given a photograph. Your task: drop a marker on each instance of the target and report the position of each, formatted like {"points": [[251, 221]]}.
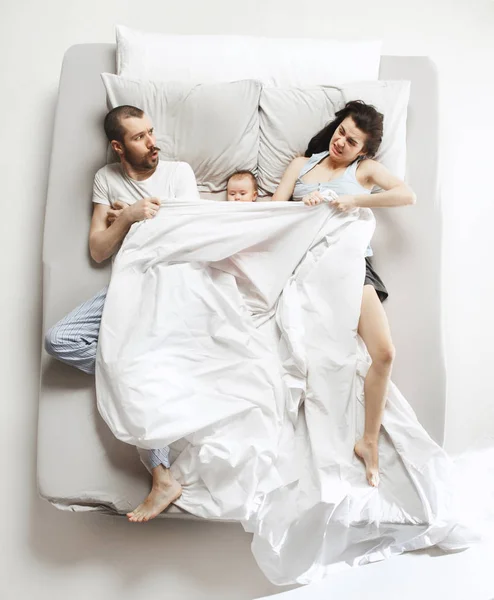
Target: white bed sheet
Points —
{"points": [[267, 413]]}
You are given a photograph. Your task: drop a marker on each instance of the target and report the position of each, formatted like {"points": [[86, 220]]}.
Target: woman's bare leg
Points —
{"points": [[374, 330]]}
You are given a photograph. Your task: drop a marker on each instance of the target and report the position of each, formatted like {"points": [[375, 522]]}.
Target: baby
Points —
{"points": [[241, 187]]}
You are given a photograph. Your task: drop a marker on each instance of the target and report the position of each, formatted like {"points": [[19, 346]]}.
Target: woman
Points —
{"points": [[339, 158]]}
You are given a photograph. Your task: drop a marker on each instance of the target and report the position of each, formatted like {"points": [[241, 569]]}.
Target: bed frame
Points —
{"points": [[81, 466]]}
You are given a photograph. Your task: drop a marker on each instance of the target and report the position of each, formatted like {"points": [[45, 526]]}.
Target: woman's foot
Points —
{"points": [[165, 490], [369, 453]]}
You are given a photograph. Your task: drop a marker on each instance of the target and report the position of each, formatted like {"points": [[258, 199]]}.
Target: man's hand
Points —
{"points": [[116, 211], [147, 208], [344, 203]]}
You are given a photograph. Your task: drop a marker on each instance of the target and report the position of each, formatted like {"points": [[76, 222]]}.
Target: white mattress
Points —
{"points": [[81, 466]]}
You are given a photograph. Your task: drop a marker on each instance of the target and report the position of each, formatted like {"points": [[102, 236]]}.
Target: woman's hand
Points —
{"points": [[312, 199], [344, 203]]}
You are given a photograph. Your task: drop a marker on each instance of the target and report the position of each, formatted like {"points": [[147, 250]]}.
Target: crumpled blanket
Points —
{"points": [[230, 332]]}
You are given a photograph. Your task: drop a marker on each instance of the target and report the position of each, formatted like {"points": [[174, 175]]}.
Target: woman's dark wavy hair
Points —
{"points": [[366, 118]]}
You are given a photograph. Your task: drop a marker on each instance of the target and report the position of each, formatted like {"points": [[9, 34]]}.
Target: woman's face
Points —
{"points": [[347, 142]]}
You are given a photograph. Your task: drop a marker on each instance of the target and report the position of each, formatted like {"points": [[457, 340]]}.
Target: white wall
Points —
{"points": [[56, 555]]}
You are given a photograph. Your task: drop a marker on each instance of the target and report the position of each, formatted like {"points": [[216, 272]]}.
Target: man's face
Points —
{"points": [[139, 143]]}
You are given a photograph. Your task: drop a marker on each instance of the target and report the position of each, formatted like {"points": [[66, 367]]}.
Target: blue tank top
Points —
{"points": [[345, 184]]}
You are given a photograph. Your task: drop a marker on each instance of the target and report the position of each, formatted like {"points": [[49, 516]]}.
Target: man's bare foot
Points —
{"points": [[369, 453], [165, 490]]}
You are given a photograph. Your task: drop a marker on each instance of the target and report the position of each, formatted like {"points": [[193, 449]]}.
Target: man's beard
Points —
{"points": [[142, 163]]}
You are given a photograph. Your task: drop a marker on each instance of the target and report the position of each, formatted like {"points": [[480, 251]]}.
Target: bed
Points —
{"points": [[81, 466]]}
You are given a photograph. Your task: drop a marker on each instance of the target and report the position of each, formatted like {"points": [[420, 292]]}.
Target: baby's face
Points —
{"points": [[241, 189]]}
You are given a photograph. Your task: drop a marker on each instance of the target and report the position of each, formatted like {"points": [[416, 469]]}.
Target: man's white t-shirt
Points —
{"points": [[171, 181]]}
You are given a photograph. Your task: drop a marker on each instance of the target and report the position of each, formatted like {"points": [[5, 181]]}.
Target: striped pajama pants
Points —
{"points": [[74, 340]]}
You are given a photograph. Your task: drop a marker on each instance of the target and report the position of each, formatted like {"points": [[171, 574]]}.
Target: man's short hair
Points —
{"points": [[244, 173], [113, 121]]}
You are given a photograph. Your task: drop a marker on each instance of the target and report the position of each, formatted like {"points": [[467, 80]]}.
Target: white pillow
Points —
{"points": [[273, 61], [213, 127], [290, 117]]}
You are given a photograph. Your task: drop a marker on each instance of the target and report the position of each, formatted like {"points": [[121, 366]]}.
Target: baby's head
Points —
{"points": [[241, 187]]}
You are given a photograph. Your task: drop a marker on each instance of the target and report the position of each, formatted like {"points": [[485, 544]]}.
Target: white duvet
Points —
{"points": [[230, 332]]}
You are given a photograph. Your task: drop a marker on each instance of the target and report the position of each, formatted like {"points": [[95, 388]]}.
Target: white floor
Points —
{"points": [[467, 575]]}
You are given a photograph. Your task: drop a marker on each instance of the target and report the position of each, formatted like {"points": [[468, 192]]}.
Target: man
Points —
{"points": [[123, 194]]}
